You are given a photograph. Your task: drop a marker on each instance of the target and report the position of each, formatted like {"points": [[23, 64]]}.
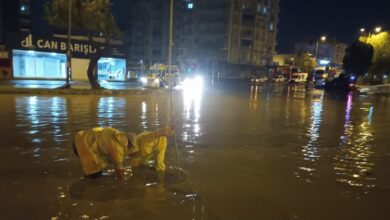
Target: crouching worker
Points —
{"points": [[100, 147], [151, 145]]}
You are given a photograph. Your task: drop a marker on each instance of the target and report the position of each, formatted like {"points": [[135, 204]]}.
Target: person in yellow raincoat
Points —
{"points": [[102, 146], [150, 144]]}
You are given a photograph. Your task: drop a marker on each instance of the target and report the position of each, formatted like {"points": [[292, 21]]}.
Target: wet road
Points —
{"points": [[248, 152]]}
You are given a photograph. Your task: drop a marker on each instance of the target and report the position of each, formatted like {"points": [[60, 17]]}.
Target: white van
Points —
{"points": [[299, 78]]}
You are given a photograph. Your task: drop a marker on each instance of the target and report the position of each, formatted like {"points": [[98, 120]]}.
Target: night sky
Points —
{"points": [[303, 19], [337, 19]]}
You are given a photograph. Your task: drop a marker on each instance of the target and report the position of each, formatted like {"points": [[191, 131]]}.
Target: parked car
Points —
{"points": [[260, 79], [278, 78]]}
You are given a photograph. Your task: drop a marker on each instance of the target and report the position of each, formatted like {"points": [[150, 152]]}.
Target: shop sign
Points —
{"points": [[57, 45], [79, 48]]}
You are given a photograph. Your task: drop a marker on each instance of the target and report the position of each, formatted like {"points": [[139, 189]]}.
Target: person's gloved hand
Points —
{"points": [[167, 131], [120, 173]]}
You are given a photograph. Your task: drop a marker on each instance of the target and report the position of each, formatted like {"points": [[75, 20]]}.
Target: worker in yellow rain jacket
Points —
{"points": [[102, 146], [151, 144]]}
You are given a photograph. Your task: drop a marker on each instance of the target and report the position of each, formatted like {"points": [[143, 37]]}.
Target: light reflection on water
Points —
{"points": [[353, 163], [288, 123], [45, 120], [254, 100], [42, 119], [192, 103], [310, 151]]}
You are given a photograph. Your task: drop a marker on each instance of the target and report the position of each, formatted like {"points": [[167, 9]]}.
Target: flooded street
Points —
{"points": [[247, 152]]}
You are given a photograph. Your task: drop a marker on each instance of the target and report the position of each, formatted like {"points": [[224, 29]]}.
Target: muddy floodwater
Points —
{"points": [[246, 152]]}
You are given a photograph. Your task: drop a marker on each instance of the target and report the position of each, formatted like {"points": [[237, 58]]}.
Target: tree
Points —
{"points": [[358, 58], [91, 16], [381, 57], [307, 63]]}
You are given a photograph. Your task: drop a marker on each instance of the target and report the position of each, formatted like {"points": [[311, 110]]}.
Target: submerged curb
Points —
{"points": [[102, 92]]}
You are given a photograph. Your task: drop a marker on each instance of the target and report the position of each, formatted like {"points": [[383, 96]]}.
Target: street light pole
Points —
{"points": [[68, 56], [170, 41], [323, 38]]}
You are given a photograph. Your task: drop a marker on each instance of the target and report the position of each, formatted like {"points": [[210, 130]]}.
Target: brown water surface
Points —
{"points": [[248, 152]]}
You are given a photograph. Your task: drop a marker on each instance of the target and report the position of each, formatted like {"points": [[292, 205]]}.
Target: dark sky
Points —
{"points": [[337, 19], [302, 19]]}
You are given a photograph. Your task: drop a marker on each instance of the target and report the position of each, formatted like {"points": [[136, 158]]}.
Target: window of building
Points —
{"points": [[156, 52], [271, 27], [258, 9], [236, 6], [111, 69], [190, 5], [24, 9], [33, 64], [246, 43], [196, 41], [265, 11]]}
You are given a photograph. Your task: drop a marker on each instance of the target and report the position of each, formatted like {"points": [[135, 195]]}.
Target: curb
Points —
{"points": [[102, 92]]}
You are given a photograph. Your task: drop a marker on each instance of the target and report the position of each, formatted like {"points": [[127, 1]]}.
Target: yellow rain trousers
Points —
{"points": [[100, 147], [151, 143]]}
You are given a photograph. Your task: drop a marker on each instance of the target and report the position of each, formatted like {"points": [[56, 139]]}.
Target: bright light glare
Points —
{"points": [[362, 29], [144, 80], [378, 29], [324, 62], [193, 84], [192, 96], [323, 38]]}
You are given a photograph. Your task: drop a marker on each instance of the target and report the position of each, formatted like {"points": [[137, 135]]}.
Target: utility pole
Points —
{"points": [[68, 56], [170, 43], [323, 39]]}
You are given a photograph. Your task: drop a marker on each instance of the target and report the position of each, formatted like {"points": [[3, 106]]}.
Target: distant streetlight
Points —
{"points": [[377, 30], [322, 39]]}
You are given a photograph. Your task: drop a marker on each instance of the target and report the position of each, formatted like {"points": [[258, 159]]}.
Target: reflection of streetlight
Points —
{"points": [[323, 39]]}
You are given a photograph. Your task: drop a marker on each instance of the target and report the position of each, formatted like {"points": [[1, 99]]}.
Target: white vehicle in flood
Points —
{"points": [[151, 81], [278, 78], [260, 79], [299, 78]]}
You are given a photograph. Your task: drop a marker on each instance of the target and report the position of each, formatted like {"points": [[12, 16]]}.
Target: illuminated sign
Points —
{"points": [[50, 44], [58, 44]]}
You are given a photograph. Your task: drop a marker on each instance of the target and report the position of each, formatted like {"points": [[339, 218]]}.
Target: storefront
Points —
{"points": [[112, 69], [37, 57], [40, 65]]}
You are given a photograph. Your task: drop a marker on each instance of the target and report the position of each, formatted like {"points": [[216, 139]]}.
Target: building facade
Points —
{"points": [[332, 51], [38, 55], [285, 59], [239, 32], [148, 31], [15, 16]]}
